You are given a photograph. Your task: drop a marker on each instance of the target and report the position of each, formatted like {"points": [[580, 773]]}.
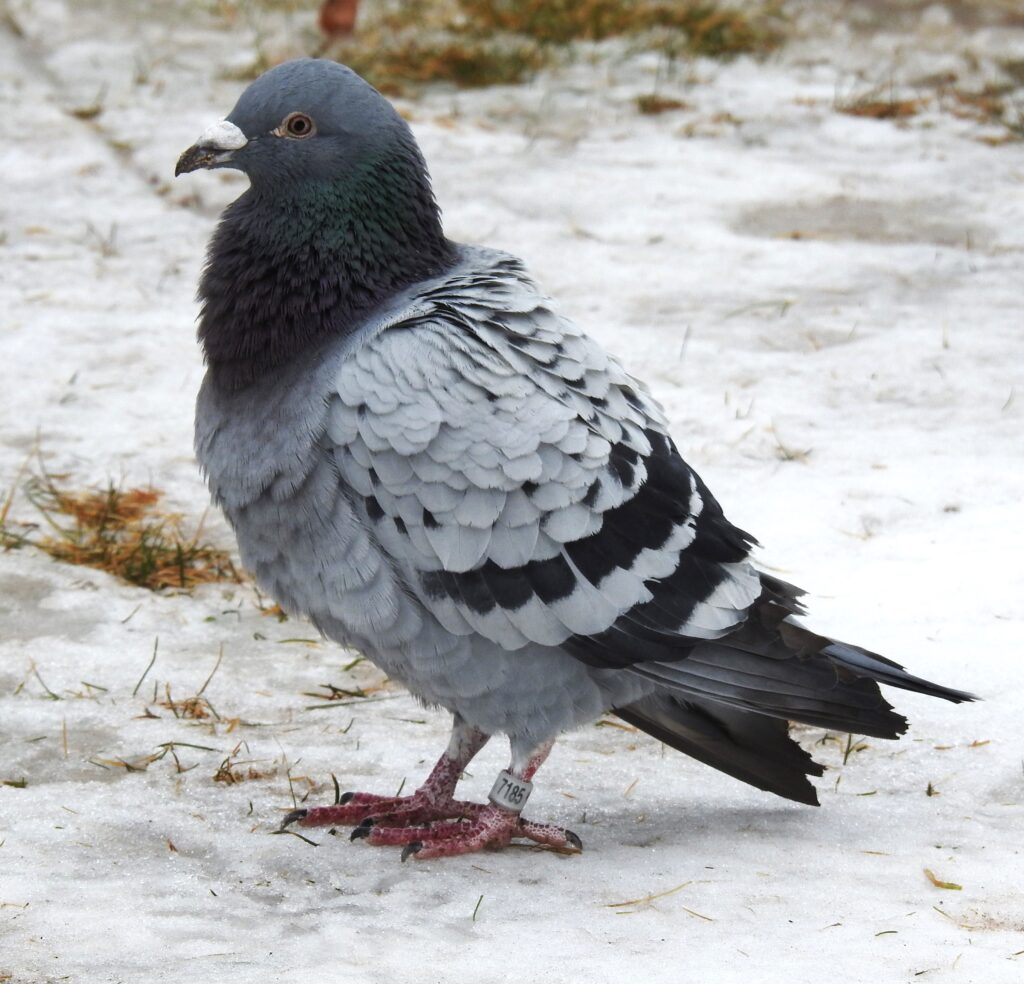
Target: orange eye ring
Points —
{"points": [[297, 126]]}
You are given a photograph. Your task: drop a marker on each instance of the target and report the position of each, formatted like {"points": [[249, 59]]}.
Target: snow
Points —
{"points": [[853, 395]]}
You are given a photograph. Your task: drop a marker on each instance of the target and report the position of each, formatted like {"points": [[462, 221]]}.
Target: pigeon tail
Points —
{"points": [[776, 667], [730, 708], [747, 746], [862, 662]]}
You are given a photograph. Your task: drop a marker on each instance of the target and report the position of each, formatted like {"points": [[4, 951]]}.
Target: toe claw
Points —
{"points": [[344, 798], [573, 840], [363, 830], [410, 849], [292, 817]]}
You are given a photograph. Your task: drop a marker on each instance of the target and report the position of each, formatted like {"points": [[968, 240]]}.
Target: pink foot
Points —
{"points": [[358, 809], [487, 827], [434, 800], [429, 829], [431, 823]]}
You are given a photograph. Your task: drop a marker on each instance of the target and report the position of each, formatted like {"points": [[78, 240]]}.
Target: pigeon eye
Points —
{"points": [[296, 125]]}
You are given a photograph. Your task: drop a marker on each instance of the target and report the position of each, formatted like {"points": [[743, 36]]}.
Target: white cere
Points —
{"points": [[222, 135]]}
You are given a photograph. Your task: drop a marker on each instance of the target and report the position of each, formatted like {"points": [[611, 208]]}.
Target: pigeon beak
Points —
{"points": [[214, 148]]}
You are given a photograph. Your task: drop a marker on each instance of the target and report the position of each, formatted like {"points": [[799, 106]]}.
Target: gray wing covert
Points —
{"points": [[524, 484]]}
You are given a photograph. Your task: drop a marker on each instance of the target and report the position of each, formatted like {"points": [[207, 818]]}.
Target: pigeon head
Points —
{"points": [[338, 217], [304, 121]]}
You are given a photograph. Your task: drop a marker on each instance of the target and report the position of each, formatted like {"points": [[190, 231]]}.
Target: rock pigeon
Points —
{"points": [[419, 454]]}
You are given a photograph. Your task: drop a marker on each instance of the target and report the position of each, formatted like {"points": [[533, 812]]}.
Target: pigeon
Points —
{"points": [[420, 455]]}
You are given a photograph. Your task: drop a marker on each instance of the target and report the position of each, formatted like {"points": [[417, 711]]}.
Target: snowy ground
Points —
{"points": [[788, 278]]}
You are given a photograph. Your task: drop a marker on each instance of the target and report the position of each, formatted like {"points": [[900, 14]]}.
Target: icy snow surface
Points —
{"points": [[830, 309]]}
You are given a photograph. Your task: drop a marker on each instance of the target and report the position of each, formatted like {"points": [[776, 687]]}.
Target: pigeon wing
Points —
{"points": [[524, 485]]}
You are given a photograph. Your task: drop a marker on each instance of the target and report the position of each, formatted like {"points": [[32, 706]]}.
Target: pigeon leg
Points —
{"points": [[486, 826], [434, 800]]}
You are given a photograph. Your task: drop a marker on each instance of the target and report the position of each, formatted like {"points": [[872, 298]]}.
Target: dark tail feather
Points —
{"points": [[861, 662], [809, 691], [750, 747], [780, 599], [728, 702], [775, 666]]}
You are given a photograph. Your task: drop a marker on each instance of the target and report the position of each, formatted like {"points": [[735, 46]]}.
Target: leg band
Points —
{"points": [[510, 793]]}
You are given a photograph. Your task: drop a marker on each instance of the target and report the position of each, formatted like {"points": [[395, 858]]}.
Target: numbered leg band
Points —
{"points": [[510, 793]]}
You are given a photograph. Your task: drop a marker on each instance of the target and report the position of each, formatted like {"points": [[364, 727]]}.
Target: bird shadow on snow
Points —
{"points": [[681, 824]]}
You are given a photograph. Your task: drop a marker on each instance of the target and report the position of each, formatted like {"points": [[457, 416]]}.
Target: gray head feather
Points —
{"points": [[354, 124], [340, 216]]}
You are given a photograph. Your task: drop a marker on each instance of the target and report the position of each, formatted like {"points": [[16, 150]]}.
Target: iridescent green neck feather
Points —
{"points": [[291, 266]]}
